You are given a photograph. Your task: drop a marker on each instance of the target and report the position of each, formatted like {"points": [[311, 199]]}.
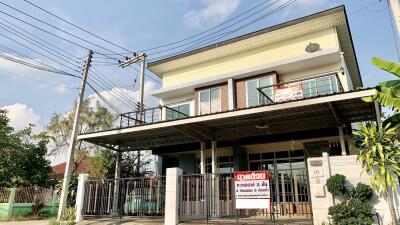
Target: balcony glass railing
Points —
{"points": [[319, 85]]}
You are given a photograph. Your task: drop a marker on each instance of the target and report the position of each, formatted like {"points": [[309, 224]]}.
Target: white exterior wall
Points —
{"points": [[349, 167]]}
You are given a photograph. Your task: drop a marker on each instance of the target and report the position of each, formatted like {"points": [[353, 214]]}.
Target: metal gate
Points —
{"points": [[143, 196], [212, 196]]}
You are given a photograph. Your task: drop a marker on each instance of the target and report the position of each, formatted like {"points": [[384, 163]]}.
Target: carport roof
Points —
{"points": [[299, 115]]}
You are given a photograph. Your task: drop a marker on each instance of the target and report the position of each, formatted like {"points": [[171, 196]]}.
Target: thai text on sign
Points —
{"points": [[252, 190], [287, 92]]}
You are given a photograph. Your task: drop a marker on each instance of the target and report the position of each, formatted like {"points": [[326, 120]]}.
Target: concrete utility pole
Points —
{"points": [[395, 9], [75, 128], [142, 58]]}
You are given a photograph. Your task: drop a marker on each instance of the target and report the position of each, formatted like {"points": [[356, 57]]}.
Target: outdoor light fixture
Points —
{"points": [[341, 70]]}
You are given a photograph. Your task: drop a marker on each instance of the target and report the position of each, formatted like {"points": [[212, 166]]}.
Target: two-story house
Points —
{"points": [[266, 100]]}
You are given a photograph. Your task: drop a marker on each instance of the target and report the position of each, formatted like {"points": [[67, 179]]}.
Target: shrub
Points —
{"points": [[336, 184], [356, 207]]}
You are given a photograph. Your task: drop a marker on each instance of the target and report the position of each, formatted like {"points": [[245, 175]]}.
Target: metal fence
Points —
{"points": [[144, 196], [30, 194], [213, 196], [5, 194]]}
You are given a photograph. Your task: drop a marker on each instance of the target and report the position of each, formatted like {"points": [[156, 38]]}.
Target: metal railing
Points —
{"points": [[319, 85], [149, 116], [141, 196]]}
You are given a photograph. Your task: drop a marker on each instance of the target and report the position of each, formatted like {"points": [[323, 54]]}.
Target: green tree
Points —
{"points": [[22, 161], [379, 154], [94, 117]]}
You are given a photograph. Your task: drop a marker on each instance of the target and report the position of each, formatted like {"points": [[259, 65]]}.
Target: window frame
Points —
{"points": [[258, 85], [177, 105], [209, 100]]}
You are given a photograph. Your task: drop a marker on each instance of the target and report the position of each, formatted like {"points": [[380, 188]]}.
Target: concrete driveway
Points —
{"points": [[28, 222]]}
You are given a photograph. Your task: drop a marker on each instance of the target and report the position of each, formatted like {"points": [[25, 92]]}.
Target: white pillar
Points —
{"points": [[172, 194], [80, 196], [345, 78], [117, 177], [341, 137], [231, 94], [202, 158], [213, 157]]}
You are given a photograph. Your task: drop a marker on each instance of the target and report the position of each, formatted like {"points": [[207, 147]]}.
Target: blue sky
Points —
{"points": [[144, 24]]}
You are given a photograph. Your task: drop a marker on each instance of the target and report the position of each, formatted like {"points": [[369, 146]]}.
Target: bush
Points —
{"points": [[336, 184], [356, 207]]}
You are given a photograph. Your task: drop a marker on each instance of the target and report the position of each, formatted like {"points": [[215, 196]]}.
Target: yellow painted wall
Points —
{"points": [[255, 57]]}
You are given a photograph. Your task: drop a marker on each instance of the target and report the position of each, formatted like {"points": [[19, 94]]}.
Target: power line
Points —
{"points": [[394, 33], [203, 32], [104, 100], [38, 45], [86, 31], [34, 80], [215, 32], [59, 29], [39, 53], [220, 36], [43, 67], [71, 56]]}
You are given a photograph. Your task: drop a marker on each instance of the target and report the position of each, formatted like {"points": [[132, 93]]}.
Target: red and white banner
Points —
{"points": [[252, 190], [287, 92]]}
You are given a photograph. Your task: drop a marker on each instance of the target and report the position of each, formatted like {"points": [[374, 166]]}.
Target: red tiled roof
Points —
{"points": [[58, 170]]}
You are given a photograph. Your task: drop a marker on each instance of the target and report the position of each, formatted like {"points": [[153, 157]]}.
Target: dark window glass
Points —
{"points": [[254, 166], [284, 154], [255, 156], [296, 153], [269, 155]]}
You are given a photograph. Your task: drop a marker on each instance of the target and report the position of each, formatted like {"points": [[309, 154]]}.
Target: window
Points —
{"points": [[253, 96], [210, 101], [178, 111]]}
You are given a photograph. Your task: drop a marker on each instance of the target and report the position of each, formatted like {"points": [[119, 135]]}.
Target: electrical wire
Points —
{"points": [[394, 33], [203, 32], [215, 32], [86, 31], [104, 100], [220, 36], [59, 29], [37, 81], [39, 45], [70, 55]]}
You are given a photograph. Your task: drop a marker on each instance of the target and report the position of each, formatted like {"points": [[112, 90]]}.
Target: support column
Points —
{"points": [[213, 157], [202, 158], [341, 138], [117, 176], [172, 194], [11, 202], [80, 196], [378, 115], [231, 94]]}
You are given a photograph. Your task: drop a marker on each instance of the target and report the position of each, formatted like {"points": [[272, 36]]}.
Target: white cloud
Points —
{"points": [[21, 116], [214, 11], [113, 96]]}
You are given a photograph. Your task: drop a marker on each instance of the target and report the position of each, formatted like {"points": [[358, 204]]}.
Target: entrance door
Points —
{"points": [[289, 182]]}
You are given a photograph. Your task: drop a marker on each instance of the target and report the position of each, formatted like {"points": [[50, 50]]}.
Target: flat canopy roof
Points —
{"points": [[298, 115]]}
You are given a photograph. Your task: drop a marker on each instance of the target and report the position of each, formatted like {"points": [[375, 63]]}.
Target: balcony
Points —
{"points": [[314, 86], [310, 87]]}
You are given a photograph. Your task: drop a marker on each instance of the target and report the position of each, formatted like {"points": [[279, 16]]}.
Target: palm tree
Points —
{"points": [[380, 157]]}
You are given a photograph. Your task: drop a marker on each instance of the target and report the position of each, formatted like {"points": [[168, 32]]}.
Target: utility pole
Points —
{"points": [[142, 58], [394, 6], [75, 128]]}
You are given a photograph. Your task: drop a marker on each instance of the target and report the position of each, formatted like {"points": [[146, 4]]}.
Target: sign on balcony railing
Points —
{"points": [[288, 92]]}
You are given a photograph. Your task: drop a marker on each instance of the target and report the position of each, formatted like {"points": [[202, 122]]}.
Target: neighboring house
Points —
{"points": [[266, 100], [59, 169]]}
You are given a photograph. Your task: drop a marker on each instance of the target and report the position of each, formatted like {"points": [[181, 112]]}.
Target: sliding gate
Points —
{"points": [[141, 197], [209, 196]]}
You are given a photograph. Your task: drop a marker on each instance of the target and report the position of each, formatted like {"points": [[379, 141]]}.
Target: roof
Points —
{"points": [[59, 169], [334, 17], [305, 114]]}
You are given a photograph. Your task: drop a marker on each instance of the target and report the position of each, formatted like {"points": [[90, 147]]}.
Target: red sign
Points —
{"points": [[287, 92], [252, 190]]}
